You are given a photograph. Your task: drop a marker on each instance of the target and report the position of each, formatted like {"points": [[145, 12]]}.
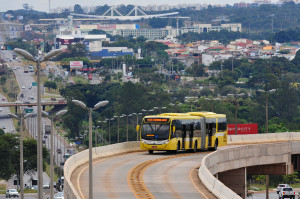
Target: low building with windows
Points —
{"points": [[200, 28], [10, 30], [92, 42]]}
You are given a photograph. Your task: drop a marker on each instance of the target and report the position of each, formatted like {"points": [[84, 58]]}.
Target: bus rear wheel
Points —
{"points": [[150, 151]]}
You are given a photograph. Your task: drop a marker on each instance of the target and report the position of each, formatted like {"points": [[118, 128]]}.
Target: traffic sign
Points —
{"points": [[28, 110], [34, 83]]}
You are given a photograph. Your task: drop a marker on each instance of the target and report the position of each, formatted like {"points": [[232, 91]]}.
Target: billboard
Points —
{"points": [[76, 64], [243, 129], [106, 26]]}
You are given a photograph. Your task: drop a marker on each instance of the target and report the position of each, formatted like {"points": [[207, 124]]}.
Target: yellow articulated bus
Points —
{"points": [[183, 131]]}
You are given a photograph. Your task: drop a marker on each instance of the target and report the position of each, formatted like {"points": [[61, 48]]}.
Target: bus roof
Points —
{"points": [[189, 115]]}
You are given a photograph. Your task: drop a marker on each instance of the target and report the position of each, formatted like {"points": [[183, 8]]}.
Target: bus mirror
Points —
{"points": [[173, 129], [137, 128]]}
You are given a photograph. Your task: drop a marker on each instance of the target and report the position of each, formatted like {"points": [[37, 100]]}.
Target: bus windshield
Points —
{"points": [[155, 131]]}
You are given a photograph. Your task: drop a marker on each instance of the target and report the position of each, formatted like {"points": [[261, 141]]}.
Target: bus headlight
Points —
{"points": [[165, 142], [143, 141]]}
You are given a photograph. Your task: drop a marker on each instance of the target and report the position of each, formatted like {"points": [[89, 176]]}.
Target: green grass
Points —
{"points": [[80, 80], [55, 177], [243, 79], [30, 191]]}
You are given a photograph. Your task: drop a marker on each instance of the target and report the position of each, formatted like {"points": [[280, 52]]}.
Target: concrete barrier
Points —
{"points": [[221, 160], [263, 138], [259, 153], [81, 158]]}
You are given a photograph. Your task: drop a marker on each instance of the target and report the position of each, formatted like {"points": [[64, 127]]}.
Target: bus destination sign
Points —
{"points": [[158, 120]]}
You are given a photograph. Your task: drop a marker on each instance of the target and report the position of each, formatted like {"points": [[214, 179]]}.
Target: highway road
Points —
{"points": [[161, 175], [30, 95], [6, 123]]}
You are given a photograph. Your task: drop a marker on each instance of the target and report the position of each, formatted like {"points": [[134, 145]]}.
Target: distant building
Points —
{"points": [[200, 28], [110, 52], [92, 42], [10, 30]]}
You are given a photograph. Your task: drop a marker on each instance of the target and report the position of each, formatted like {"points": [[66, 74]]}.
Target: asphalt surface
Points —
{"points": [[6, 123], [169, 178]]}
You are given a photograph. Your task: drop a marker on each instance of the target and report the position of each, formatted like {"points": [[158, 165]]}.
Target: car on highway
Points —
{"points": [[46, 186], [58, 150], [34, 187], [287, 192], [281, 186], [15, 68], [59, 195], [3, 98], [23, 87], [1, 109], [12, 193]]}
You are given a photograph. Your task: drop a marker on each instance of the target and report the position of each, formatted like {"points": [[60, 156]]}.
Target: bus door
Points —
{"points": [[203, 132], [191, 135], [210, 133], [183, 136]]}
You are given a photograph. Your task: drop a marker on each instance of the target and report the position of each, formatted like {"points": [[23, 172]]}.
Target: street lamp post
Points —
{"points": [[96, 135], [20, 117], [235, 108], [137, 122], [118, 132], [102, 137], [212, 102], [39, 59], [127, 127], [62, 112], [267, 104], [109, 128], [82, 105], [144, 110]]}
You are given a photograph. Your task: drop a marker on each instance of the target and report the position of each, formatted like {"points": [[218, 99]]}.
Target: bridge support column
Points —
{"points": [[236, 180], [44, 107], [16, 110]]}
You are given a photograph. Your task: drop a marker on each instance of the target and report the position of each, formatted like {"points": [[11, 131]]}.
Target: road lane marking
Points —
{"points": [[135, 177]]}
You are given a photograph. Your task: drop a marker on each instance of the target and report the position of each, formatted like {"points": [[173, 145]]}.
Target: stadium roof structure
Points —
{"points": [[135, 14]]}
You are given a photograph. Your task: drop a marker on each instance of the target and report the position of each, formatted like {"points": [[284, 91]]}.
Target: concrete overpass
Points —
{"points": [[60, 104], [223, 172]]}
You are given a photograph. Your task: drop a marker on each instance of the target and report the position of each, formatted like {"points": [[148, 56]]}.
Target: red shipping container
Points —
{"points": [[243, 129]]}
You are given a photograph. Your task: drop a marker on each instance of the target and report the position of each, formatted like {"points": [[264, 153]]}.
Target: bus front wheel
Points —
{"points": [[177, 149], [150, 151], [195, 147], [216, 146]]}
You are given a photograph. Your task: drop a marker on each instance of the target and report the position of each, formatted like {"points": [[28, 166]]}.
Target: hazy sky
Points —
{"points": [[43, 5]]}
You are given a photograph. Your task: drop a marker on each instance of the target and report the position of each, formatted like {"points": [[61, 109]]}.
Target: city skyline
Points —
{"points": [[43, 5]]}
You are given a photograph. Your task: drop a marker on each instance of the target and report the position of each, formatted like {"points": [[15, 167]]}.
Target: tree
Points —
{"points": [[77, 50], [10, 154], [50, 84], [78, 9], [196, 70], [158, 22], [27, 7], [97, 32]]}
